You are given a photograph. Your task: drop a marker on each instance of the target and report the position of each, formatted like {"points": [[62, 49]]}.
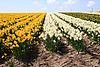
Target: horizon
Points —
{"points": [[17, 6]]}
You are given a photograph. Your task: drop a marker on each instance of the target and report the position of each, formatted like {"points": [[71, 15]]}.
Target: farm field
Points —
{"points": [[95, 17], [49, 39]]}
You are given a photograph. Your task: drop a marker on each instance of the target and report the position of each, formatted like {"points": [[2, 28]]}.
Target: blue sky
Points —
{"points": [[48, 5]]}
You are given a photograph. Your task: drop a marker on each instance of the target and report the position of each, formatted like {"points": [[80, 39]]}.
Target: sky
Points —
{"points": [[49, 5]]}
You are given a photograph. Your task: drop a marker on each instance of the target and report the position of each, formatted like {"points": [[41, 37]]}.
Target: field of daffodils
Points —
{"points": [[49, 40]]}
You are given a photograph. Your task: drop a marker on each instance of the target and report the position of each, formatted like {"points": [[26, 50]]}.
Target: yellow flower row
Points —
{"points": [[10, 18], [21, 31], [9, 22], [16, 26]]}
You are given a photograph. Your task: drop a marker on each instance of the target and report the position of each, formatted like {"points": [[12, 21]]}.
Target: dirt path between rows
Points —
{"points": [[71, 59]]}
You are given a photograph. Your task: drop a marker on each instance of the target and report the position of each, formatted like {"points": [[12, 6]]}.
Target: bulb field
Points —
{"points": [[20, 33]]}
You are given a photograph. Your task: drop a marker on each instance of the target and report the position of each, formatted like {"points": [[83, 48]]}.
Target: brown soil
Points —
{"points": [[71, 59]]}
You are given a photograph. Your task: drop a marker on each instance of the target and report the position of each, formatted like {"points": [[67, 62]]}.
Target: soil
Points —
{"points": [[71, 59]]}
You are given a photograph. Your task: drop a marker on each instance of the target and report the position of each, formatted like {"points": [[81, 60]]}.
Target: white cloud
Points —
{"points": [[71, 2], [90, 3], [52, 2], [36, 3], [62, 8], [44, 9]]}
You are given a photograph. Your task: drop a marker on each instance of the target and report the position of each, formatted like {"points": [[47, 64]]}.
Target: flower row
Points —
{"points": [[92, 29], [21, 32], [55, 28]]}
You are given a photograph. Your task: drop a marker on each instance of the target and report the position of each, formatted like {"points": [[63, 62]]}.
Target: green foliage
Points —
{"points": [[26, 52], [20, 52], [5, 53], [77, 44], [12, 65], [53, 44], [94, 36]]}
